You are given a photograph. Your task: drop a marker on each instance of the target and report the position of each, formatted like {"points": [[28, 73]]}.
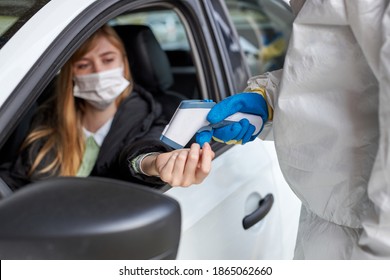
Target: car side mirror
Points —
{"points": [[88, 218]]}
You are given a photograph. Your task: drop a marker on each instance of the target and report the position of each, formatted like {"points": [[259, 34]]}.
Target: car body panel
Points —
{"points": [[214, 210], [18, 56]]}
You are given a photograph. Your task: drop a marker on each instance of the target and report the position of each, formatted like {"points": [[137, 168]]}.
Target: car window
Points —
{"points": [[230, 48], [264, 28], [166, 26], [14, 13], [171, 36]]}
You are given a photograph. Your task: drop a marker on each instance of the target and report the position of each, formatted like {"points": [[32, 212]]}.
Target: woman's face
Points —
{"points": [[104, 56]]}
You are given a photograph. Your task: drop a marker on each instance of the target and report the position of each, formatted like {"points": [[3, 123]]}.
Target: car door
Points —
{"points": [[245, 183]]}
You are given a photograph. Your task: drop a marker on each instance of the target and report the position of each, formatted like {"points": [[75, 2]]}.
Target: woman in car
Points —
{"points": [[100, 124]]}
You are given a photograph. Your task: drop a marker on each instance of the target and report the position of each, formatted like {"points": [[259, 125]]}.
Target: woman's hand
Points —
{"points": [[181, 167]]}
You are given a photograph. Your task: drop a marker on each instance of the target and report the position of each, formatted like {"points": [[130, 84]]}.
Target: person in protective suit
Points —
{"points": [[330, 114]]}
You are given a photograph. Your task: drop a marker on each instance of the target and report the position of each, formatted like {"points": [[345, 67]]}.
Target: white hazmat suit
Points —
{"points": [[332, 126]]}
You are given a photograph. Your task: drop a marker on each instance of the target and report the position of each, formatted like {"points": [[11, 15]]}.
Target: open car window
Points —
{"points": [[170, 80]]}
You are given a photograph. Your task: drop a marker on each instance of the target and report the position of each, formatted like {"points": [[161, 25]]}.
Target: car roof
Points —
{"points": [[27, 45]]}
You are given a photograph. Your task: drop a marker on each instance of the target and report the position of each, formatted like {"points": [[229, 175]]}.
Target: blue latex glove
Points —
{"points": [[238, 132]]}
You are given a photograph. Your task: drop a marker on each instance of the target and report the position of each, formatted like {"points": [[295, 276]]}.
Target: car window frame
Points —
{"points": [[232, 57]]}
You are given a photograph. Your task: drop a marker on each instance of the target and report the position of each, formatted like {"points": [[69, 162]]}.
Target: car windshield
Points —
{"points": [[15, 13]]}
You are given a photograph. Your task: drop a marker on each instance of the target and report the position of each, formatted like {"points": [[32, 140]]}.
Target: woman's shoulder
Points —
{"points": [[140, 98], [140, 92]]}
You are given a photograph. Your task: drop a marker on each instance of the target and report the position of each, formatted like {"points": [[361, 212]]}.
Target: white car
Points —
{"points": [[243, 210]]}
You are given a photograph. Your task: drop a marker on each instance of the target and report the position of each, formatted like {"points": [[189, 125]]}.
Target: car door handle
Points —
{"points": [[265, 205]]}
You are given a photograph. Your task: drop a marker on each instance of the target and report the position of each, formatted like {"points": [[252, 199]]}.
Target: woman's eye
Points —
{"points": [[108, 60], [82, 66]]}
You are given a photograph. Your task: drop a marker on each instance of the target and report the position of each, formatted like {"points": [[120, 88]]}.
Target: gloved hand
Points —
{"points": [[238, 132]]}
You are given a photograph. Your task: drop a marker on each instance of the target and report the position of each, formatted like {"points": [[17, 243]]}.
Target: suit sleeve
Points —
{"points": [[372, 30]]}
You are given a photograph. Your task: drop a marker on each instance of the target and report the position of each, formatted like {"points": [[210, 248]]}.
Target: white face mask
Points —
{"points": [[100, 89]]}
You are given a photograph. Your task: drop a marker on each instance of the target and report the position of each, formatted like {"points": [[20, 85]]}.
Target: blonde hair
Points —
{"points": [[63, 137]]}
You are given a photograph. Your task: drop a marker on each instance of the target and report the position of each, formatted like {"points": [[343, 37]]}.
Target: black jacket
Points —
{"points": [[135, 130]]}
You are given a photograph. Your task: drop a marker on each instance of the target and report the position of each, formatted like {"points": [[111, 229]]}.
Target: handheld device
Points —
{"points": [[190, 117]]}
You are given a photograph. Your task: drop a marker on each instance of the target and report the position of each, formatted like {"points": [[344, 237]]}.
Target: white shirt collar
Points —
{"points": [[100, 134]]}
